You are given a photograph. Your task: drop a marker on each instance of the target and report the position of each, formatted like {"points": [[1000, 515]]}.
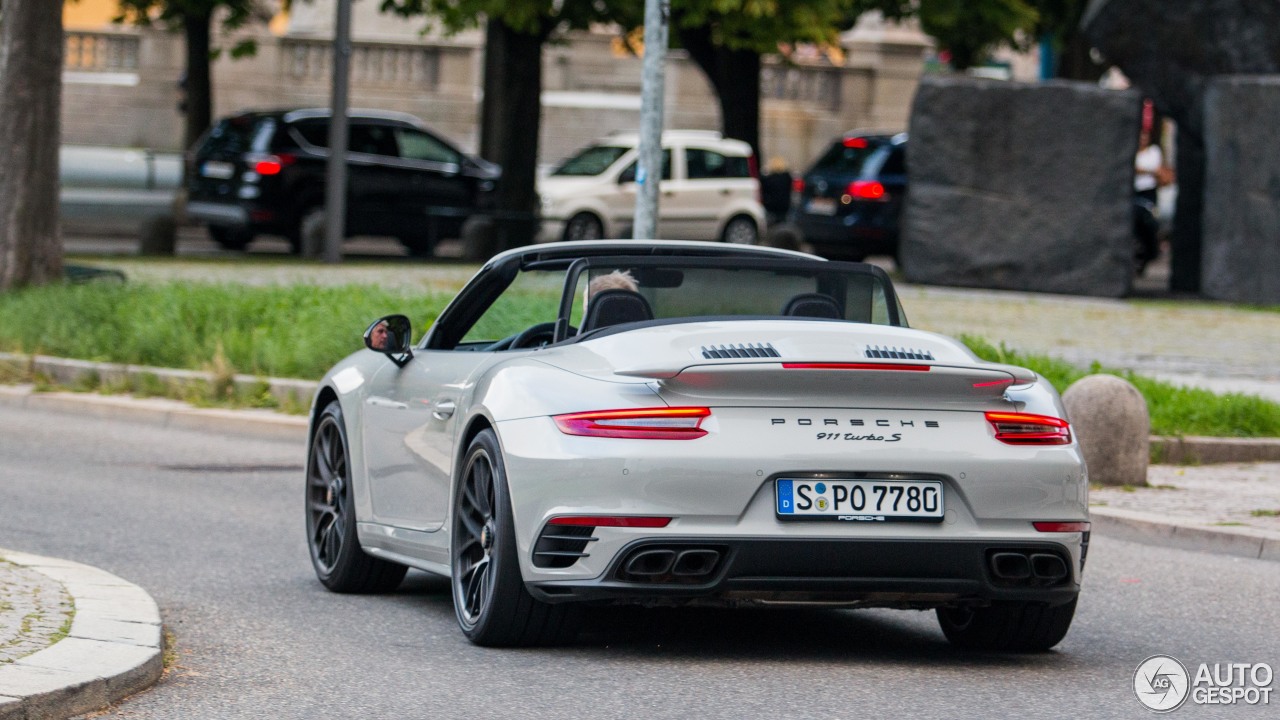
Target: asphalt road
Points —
{"points": [[212, 527]]}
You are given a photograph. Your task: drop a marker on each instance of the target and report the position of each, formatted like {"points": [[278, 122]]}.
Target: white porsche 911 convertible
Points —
{"points": [[688, 423]]}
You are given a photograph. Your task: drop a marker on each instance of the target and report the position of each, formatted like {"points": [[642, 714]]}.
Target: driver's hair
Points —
{"points": [[616, 280]]}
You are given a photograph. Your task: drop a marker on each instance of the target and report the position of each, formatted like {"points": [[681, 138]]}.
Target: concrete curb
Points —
{"points": [[114, 649], [1197, 450], [1159, 530], [162, 412], [70, 372]]}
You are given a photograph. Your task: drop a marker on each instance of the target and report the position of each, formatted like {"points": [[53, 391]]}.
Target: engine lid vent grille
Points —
{"points": [[750, 350], [894, 353]]}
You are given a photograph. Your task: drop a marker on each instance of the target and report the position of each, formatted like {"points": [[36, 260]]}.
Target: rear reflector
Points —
{"points": [[1028, 429], [610, 521], [856, 366], [666, 423], [1061, 526]]}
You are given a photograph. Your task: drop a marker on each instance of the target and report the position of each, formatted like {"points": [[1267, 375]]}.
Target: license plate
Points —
{"points": [[218, 170], [859, 500], [821, 206]]}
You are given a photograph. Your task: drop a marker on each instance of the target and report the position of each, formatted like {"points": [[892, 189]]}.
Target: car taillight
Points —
{"points": [[855, 366], [271, 164], [867, 190], [753, 166], [1028, 429], [667, 423], [855, 142], [797, 185]]}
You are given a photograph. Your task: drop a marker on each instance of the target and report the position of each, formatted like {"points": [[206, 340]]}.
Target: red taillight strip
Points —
{"points": [[610, 521], [993, 383], [856, 366], [667, 423], [1029, 429], [1061, 526]]}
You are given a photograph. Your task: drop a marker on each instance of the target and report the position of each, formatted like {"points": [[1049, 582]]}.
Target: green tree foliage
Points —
{"points": [[510, 115], [195, 19]]}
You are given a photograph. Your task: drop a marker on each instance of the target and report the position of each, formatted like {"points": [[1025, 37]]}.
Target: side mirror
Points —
{"points": [[391, 336]]}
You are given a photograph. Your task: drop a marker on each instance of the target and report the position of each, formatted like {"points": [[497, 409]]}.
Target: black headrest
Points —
{"points": [[814, 305], [614, 307]]}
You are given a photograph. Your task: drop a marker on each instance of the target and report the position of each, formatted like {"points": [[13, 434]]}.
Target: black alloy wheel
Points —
{"points": [[584, 226], [339, 561], [489, 597]]}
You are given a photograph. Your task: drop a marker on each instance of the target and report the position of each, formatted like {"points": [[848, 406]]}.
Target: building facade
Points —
{"points": [[121, 83]]}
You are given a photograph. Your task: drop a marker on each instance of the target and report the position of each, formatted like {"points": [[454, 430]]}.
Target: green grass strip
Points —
{"points": [[282, 331]]}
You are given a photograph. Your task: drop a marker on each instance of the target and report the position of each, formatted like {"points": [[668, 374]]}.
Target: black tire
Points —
{"points": [[489, 597], [339, 561], [741, 230], [1008, 626], [584, 226], [230, 238]]}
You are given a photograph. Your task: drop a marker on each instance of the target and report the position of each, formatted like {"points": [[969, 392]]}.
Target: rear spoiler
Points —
{"points": [[948, 384]]}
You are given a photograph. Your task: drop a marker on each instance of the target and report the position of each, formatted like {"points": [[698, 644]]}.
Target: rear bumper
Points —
{"points": [[221, 214], [848, 572]]}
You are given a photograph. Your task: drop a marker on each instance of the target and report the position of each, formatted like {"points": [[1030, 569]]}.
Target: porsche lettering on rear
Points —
{"points": [[562, 436]]}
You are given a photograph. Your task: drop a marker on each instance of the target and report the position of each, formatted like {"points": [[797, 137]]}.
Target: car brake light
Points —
{"points": [[797, 185], [667, 423], [855, 366], [271, 164], [1061, 526], [867, 190], [610, 521], [753, 166], [1028, 429], [855, 142]]}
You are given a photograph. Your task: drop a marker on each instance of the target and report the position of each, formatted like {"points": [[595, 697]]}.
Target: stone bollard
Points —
{"points": [[1109, 418], [784, 235]]}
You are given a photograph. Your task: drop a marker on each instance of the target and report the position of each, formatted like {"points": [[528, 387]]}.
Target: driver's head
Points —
{"points": [[616, 280]]}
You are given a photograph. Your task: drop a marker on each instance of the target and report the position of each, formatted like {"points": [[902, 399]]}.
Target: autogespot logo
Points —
{"points": [[1161, 683]]}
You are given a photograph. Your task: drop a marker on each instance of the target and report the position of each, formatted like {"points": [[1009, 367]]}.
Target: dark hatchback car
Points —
{"points": [[850, 202], [264, 173]]}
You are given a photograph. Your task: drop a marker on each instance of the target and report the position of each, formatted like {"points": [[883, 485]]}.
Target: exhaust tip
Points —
{"points": [[695, 562], [1048, 567], [1011, 566], [651, 562]]}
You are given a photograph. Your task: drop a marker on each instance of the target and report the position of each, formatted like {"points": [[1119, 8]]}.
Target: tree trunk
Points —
{"points": [[31, 47], [510, 118], [735, 77], [197, 83]]}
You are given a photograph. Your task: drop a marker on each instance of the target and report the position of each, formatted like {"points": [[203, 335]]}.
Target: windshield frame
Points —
{"points": [[818, 267]]}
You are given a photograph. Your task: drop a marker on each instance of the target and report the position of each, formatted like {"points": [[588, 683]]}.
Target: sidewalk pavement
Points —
{"points": [[113, 647]]}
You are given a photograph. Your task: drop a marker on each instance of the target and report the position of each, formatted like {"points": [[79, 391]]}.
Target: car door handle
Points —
{"points": [[444, 410], [668, 193], [725, 191]]}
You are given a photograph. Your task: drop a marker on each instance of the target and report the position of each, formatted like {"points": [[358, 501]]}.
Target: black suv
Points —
{"points": [[264, 172], [850, 201]]}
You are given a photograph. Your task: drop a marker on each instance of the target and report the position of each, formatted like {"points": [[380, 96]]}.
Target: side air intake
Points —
{"points": [[750, 350]]}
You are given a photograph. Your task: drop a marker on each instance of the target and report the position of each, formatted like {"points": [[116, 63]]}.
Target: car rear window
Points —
{"points": [[591, 161], [241, 134], [849, 158]]}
